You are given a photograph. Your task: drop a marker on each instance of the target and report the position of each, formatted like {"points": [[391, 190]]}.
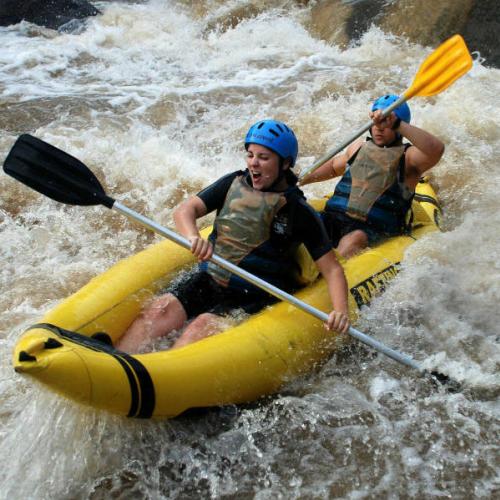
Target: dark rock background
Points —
{"points": [[427, 22], [49, 13], [343, 22]]}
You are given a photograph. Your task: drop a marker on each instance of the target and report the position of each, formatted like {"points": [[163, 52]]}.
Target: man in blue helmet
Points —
{"points": [[373, 198], [261, 219]]}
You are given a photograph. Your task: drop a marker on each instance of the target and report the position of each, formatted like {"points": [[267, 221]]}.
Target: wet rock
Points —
{"points": [[49, 13], [231, 16], [329, 21], [427, 22], [482, 29]]}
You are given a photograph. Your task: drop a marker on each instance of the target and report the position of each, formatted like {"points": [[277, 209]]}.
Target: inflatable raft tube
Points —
{"points": [[66, 353]]}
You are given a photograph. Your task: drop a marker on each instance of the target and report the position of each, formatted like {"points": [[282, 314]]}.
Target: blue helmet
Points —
{"points": [[275, 136], [402, 111]]}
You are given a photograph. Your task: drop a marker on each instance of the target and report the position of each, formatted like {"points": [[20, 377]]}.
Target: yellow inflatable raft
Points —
{"points": [[238, 365]]}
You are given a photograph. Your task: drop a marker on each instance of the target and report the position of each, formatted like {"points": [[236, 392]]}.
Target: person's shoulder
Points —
{"points": [[353, 148], [357, 144], [305, 208], [226, 180], [232, 175], [309, 228], [219, 187], [294, 194]]}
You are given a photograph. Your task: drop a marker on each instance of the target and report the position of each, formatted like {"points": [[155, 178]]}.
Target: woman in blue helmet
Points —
{"points": [[261, 219], [373, 197]]}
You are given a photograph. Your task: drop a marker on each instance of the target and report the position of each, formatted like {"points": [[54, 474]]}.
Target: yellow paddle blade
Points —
{"points": [[447, 63]]}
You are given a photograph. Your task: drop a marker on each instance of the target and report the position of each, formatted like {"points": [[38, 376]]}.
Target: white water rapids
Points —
{"points": [[155, 97]]}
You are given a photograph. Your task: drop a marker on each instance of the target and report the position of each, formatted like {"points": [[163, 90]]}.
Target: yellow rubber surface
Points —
{"points": [[238, 365]]}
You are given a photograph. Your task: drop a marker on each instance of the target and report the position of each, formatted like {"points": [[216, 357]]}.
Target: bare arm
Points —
{"points": [[426, 149], [333, 273], [425, 152], [330, 169], [334, 167], [185, 216]]}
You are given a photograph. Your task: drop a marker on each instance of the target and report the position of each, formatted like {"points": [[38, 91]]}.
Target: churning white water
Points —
{"points": [[155, 97]]}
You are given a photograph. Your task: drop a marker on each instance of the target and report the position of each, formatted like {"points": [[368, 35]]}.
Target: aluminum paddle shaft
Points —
{"points": [[62, 177], [264, 285]]}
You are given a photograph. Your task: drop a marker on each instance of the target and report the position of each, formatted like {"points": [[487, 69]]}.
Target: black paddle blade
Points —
{"points": [[54, 173]]}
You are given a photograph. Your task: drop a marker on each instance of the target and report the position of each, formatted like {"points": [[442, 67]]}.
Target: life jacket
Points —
{"points": [[247, 232], [373, 190]]}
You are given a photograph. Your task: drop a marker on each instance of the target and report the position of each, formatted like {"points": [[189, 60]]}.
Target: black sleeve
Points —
{"points": [[309, 229], [213, 196]]}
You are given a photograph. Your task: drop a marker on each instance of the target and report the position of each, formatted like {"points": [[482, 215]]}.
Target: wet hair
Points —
{"points": [[290, 177], [288, 174]]}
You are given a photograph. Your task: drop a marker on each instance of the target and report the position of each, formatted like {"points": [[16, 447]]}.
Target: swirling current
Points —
{"points": [[156, 98]]}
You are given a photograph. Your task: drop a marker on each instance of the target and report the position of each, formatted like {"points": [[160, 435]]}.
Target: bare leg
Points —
{"points": [[204, 325], [352, 243], [162, 316]]}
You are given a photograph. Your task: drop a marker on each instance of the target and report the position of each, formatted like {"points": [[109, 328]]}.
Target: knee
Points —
{"points": [[352, 243], [203, 320], [202, 326], [160, 307]]}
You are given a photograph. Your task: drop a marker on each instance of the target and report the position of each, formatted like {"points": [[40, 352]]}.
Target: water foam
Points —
{"points": [[155, 98]]}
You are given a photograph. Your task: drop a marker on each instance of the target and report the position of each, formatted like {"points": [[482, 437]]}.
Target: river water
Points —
{"points": [[156, 98]]}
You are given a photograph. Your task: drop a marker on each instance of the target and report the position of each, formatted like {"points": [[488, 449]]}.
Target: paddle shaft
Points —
{"points": [[65, 179], [351, 138], [264, 285], [448, 62]]}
